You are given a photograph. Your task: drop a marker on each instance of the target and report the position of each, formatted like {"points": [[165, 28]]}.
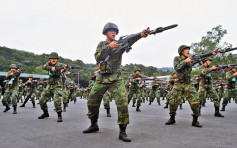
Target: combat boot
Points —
{"points": [[195, 122], [150, 103], [60, 118], [159, 103], [23, 105], [138, 109], [33, 105], [133, 105], [183, 100], [203, 105], [181, 106], [44, 115], [122, 135], [14, 110], [171, 120], [7, 108], [217, 113], [64, 108], [223, 108], [166, 106], [93, 128], [108, 112]]}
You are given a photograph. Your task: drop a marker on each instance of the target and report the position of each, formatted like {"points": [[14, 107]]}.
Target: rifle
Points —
{"points": [[219, 67], [72, 67], [125, 45], [199, 58], [14, 75]]}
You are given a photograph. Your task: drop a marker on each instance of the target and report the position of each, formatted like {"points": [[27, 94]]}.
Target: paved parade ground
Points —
{"points": [[146, 128]]}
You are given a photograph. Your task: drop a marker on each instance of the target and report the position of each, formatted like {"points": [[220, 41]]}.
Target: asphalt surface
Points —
{"points": [[146, 128]]}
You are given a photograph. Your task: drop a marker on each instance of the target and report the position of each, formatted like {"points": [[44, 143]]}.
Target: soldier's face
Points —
{"points": [[111, 34], [175, 75], [137, 72], [208, 63], [185, 52], [53, 61], [233, 70], [13, 69], [20, 82], [30, 79]]}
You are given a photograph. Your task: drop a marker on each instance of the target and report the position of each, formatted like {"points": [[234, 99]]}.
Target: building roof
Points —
{"points": [[26, 75]]}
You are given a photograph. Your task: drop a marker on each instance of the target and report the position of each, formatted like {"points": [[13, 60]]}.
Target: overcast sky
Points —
{"points": [[73, 28]]}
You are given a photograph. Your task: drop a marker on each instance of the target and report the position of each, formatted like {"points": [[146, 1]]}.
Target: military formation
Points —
{"points": [[107, 83]]}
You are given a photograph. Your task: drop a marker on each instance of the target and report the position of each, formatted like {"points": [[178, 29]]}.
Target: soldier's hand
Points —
{"points": [[53, 69], [96, 74], [144, 33], [213, 68], [188, 60], [139, 79], [11, 74], [235, 74], [113, 45]]}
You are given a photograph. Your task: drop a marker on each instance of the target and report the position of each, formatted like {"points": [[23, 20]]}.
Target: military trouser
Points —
{"points": [[38, 94], [168, 97], [65, 97], [220, 94], [30, 95], [181, 90], [10, 95], [208, 89], [143, 95], [19, 97], [136, 95], [228, 94], [56, 92], [106, 99], [153, 95], [120, 96]]}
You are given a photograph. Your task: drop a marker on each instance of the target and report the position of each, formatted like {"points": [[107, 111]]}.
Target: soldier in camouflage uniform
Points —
{"points": [[106, 99], [54, 87], [171, 84], [183, 87], [221, 89], [11, 93], [31, 89], [40, 88], [110, 78], [20, 92], [143, 92], [206, 86], [196, 82], [0, 92], [230, 88], [134, 90], [154, 93]]}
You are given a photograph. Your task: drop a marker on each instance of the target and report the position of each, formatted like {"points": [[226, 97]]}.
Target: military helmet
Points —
{"points": [[20, 80], [181, 48], [137, 69], [195, 76], [207, 59], [109, 26], [30, 76], [173, 73], [13, 66], [53, 55]]}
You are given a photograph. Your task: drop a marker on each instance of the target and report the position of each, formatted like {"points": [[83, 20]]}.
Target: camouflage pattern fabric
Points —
{"points": [[106, 99]]}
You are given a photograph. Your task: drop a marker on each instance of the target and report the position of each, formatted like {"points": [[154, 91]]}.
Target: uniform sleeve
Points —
{"points": [[204, 71], [229, 76], [102, 52], [46, 66], [179, 64]]}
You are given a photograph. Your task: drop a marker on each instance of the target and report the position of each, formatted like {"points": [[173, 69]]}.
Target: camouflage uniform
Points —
{"points": [[20, 92], [171, 84], [154, 93], [0, 92], [40, 89], [230, 89], [106, 99], [31, 89], [220, 90], [11, 92], [183, 88], [206, 87], [143, 92], [134, 90], [53, 89]]}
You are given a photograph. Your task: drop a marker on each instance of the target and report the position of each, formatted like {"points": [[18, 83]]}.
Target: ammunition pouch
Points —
{"points": [[109, 69]]}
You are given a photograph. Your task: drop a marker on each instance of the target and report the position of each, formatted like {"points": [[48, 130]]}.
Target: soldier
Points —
{"points": [[221, 89], [171, 82], [110, 77], [154, 92], [11, 92], [183, 87], [230, 90], [106, 99], [31, 88], [196, 82], [0, 92], [143, 92], [206, 86], [134, 90], [40, 88], [21, 88], [54, 87]]}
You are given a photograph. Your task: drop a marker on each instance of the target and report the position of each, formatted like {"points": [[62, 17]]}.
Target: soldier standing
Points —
{"points": [[11, 92], [171, 82], [221, 89], [54, 87], [31, 88], [21, 88], [206, 86], [110, 78], [154, 92], [196, 80], [183, 87], [40, 88], [230, 88], [134, 90]]}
